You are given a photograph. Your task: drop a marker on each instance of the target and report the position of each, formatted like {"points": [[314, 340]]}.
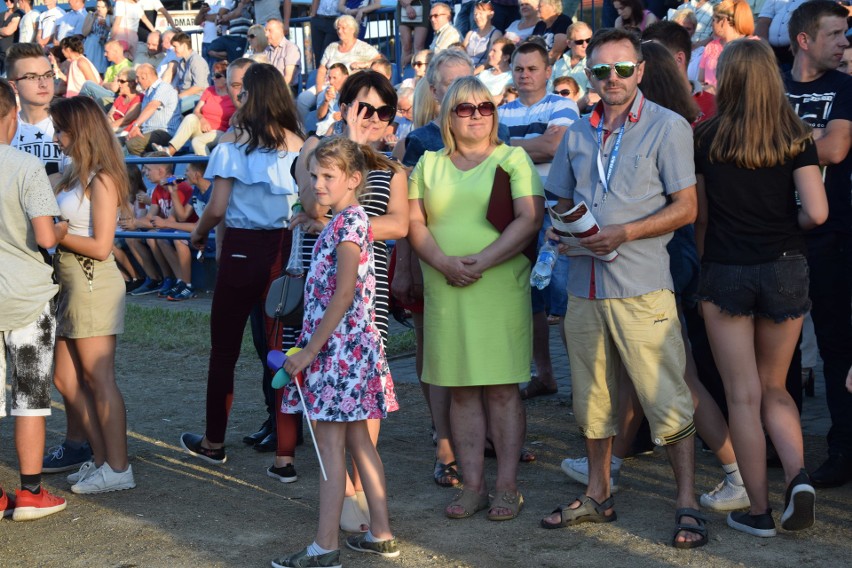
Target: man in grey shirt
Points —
{"points": [[192, 75], [27, 321], [631, 163]]}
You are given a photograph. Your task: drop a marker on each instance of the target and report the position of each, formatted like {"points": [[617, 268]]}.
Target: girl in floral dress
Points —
{"points": [[342, 357]]}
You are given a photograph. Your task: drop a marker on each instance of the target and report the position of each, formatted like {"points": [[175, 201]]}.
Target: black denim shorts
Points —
{"points": [[776, 290]]}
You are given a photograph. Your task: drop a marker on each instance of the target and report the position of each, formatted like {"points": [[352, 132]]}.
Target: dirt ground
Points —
{"points": [[186, 513]]}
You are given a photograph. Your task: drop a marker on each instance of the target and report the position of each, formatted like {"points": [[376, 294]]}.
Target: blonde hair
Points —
{"points": [[350, 157], [755, 126], [425, 105], [463, 90], [94, 150]]}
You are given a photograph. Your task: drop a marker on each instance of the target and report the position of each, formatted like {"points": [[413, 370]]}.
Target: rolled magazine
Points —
{"points": [[575, 224]]}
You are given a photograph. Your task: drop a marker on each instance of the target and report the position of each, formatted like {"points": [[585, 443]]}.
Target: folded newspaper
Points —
{"points": [[575, 224]]}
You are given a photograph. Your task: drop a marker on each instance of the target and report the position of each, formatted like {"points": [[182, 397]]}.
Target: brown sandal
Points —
{"points": [[511, 500], [470, 502]]}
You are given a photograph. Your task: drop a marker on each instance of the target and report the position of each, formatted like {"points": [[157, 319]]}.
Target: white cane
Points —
{"points": [[311, 429]]}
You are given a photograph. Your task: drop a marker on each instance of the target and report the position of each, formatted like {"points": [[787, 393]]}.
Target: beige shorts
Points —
{"points": [[643, 335]]}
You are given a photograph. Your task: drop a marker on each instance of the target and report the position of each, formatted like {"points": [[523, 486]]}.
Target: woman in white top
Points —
{"points": [[128, 15], [498, 75], [90, 305], [519, 30], [79, 69], [253, 191], [478, 41]]}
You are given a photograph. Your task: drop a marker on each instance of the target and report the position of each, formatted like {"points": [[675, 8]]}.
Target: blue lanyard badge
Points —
{"points": [[605, 177]]}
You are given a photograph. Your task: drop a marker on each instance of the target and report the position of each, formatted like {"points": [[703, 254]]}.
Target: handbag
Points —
{"points": [[418, 15], [285, 301], [501, 212]]}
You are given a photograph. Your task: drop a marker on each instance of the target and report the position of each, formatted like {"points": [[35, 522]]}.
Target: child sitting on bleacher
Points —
{"points": [[169, 204]]}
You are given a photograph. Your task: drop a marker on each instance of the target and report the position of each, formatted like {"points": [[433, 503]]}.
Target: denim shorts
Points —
{"points": [[776, 290]]}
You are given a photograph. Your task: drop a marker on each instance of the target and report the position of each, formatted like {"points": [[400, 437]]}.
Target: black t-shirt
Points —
{"points": [[560, 26], [6, 42], [752, 214], [818, 103]]}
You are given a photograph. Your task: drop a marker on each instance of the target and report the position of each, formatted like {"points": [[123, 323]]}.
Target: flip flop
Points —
{"points": [[447, 470], [536, 388], [699, 529], [511, 500], [470, 502], [589, 511]]}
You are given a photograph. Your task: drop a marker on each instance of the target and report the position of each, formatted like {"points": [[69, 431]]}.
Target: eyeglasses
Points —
{"points": [[218, 75], [563, 92], [35, 77], [123, 81], [251, 36], [582, 41], [385, 113], [439, 15], [400, 109], [418, 64], [466, 110], [623, 69], [721, 17]]}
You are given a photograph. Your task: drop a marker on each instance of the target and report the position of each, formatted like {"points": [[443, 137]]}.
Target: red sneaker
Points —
{"points": [[31, 506], [7, 504]]}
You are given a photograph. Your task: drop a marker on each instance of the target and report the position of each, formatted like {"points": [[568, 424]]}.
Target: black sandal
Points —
{"points": [[589, 511], [447, 470], [699, 529]]}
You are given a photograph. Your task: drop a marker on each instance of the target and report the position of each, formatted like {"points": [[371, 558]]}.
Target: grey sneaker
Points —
{"points": [[302, 560], [105, 479], [85, 471], [578, 470], [387, 548], [726, 497]]}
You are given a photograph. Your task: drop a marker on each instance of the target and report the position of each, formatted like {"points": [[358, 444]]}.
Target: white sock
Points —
{"points": [[370, 538], [732, 472], [316, 550], [615, 463]]}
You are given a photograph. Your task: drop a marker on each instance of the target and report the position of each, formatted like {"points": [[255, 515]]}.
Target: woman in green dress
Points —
{"points": [[477, 323]]}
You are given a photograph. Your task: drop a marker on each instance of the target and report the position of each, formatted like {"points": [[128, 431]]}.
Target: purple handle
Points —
{"points": [[275, 360]]}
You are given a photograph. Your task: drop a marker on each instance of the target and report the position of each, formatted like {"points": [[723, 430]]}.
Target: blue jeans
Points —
{"points": [[464, 19], [102, 96], [234, 46], [187, 104], [830, 262]]}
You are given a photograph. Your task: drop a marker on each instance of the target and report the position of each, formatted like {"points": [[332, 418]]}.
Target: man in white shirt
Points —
{"points": [[47, 23], [441, 17]]}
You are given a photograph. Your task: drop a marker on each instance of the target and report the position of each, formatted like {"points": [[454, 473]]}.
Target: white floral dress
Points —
{"points": [[350, 379]]}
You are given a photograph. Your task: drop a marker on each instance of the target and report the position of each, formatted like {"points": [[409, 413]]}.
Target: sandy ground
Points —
{"points": [[186, 513]]}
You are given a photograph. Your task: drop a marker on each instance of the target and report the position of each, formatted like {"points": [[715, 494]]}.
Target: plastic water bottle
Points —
{"points": [[540, 275]]}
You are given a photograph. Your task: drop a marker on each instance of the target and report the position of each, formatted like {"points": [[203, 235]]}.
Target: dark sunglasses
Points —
{"points": [[251, 36], [623, 69], [386, 113], [563, 92], [418, 64], [582, 41], [466, 110], [123, 81], [218, 75]]}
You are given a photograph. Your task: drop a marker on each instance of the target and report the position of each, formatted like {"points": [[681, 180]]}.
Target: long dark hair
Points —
{"points": [[94, 150], [268, 109], [665, 84]]}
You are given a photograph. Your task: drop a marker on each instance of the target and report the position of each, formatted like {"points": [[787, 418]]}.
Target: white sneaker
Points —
{"points": [[103, 480], [85, 471], [726, 497], [578, 470]]}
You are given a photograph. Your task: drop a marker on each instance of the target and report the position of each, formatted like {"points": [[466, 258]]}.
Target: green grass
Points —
{"points": [[188, 332]]}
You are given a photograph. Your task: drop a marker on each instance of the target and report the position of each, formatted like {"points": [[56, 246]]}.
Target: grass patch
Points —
{"points": [[188, 332]]}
